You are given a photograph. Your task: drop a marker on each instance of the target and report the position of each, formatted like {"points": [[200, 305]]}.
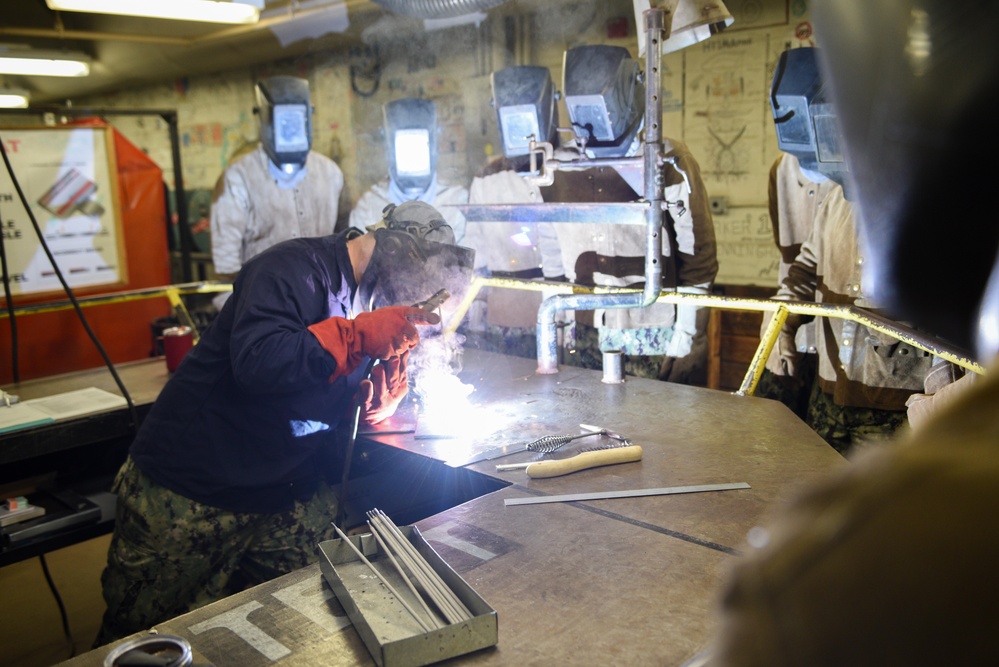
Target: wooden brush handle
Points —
{"points": [[584, 461]]}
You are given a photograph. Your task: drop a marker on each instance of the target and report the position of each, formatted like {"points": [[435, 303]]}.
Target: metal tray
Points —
{"points": [[392, 635]]}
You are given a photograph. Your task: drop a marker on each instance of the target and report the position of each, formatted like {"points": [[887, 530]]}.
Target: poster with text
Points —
{"points": [[67, 177]]}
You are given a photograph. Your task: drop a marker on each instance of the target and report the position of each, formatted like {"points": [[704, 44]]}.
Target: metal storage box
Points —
{"points": [[392, 635]]}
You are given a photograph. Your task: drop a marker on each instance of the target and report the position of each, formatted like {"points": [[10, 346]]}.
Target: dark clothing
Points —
{"points": [[248, 421]]}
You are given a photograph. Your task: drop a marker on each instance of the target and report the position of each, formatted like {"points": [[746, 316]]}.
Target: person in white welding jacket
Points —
{"points": [[502, 319], [604, 94], [228, 481], [411, 136], [278, 191]]}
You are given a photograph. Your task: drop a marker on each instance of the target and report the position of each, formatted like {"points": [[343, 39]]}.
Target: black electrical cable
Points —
{"points": [[10, 306], [62, 607], [69, 291]]}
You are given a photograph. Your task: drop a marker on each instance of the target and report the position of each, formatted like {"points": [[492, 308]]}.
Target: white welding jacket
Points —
{"points": [[251, 212]]}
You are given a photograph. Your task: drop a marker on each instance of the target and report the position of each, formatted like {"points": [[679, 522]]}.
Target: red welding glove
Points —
{"points": [[380, 334], [382, 394]]}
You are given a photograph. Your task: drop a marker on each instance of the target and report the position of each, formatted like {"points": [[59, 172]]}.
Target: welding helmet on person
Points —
{"points": [[804, 116], [285, 114], [411, 144], [604, 97], [415, 256], [524, 97]]}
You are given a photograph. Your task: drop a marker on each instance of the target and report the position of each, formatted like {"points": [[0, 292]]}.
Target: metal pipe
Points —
{"points": [[547, 330]]}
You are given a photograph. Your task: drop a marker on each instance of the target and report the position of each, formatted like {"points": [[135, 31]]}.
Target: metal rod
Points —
{"points": [[437, 590], [604, 495], [398, 568], [450, 613], [434, 578], [382, 579]]}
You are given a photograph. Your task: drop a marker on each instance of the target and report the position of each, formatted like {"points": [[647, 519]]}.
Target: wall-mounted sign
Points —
{"points": [[69, 179]]}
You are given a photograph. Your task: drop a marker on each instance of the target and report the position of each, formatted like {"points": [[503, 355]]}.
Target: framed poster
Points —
{"points": [[69, 178]]}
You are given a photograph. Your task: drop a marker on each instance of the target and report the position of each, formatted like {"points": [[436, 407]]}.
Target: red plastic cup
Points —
{"points": [[176, 342]]}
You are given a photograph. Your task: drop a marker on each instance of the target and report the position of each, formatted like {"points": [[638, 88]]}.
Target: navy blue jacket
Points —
{"points": [[247, 422]]}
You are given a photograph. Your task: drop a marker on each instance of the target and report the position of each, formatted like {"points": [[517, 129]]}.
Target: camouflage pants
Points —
{"points": [[794, 392], [847, 428], [170, 555]]}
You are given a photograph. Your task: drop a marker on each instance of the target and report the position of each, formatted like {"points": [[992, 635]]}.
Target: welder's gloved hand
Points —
{"points": [[380, 334], [381, 395]]}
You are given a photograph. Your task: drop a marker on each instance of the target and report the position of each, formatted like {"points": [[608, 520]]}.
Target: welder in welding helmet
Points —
{"points": [[524, 97], [805, 119], [415, 255], [411, 146], [605, 98], [285, 114]]}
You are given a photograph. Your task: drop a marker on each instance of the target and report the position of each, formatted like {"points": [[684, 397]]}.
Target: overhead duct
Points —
{"points": [[436, 9]]}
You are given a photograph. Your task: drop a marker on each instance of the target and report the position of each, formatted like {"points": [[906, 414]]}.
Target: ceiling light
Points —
{"points": [[207, 11], [29, 62], [12, 98]]}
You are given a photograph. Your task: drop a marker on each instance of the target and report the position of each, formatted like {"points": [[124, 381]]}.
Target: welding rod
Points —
{"points": [[388, 552], [451, 614], [435, 589], [382, 579], [439, 591]]}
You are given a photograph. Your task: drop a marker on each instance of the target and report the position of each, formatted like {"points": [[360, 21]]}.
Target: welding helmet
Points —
{"points": [[411, 144], [285, 114], [916, 88], [524, 97], [604, 97], [415, 256], [804, 116]]}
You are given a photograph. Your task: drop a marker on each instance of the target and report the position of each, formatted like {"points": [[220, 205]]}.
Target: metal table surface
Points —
{"points": [[621, 581]]}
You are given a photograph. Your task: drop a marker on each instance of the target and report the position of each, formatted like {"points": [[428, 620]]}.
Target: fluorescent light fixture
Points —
{"points": [[28, 62], [11, 98], [207, 11]]}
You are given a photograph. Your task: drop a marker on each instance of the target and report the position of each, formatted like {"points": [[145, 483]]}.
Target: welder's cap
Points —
{"points": [[415, 255], [418, 219]]}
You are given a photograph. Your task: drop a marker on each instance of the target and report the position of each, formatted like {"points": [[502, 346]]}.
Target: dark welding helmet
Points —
{"points": [[604, 97], [415, 256], [411, 143], [524, 97], [916, 88], [804, 116], [285, 114]]}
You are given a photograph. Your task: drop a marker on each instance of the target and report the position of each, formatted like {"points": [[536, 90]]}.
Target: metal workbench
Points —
{"points": [[623, 581]]}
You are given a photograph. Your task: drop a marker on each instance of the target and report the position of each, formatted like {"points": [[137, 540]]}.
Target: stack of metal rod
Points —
{"points": [[439, 605]]}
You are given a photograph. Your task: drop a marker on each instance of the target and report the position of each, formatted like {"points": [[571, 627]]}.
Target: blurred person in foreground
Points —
{"points": [[229, 480], [892, 561]]}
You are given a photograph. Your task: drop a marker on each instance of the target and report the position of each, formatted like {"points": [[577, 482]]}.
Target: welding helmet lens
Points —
{"points": [[412, 153], [411, 143], [291, 128]]}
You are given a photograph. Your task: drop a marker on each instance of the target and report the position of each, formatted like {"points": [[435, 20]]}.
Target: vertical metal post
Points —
{"points": [[180, 199]]}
